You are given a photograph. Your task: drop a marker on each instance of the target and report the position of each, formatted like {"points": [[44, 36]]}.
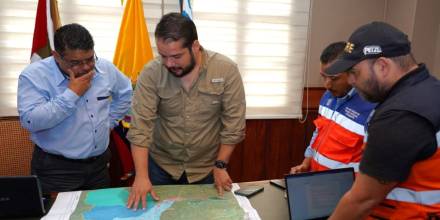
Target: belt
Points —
{"points": [[61, 157]]}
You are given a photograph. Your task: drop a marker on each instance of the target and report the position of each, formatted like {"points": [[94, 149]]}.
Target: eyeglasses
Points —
{"points": [[331, 77], [77, 63]]}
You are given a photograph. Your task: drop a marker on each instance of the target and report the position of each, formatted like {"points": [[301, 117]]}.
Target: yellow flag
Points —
{"points": [[133, 49]]}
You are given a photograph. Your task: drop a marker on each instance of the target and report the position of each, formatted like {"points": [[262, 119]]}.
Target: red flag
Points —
{"points": [[47, 21]]}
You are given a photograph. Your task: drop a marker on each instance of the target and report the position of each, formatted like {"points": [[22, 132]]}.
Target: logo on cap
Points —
{"points": [[372, 50], [349, 47]]}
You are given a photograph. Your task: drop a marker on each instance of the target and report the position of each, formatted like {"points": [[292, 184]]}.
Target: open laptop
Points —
{"points": [[20, 196], [314, 195]]}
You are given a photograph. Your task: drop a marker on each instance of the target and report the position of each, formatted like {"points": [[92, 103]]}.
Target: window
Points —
{"points": [[268, 40], [101, 17]]}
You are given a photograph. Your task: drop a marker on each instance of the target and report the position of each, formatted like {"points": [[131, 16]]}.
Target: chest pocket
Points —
{"points": [[345, 139], [321, 122], [100, 100], [170, 103], [344, 146], [210, 96]]}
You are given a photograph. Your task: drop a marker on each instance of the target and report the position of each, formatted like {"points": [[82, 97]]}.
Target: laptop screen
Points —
{"points": [[20, 196], [316, 194]]}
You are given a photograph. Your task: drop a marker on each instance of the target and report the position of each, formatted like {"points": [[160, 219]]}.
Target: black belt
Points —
{"points": [[61, 157]]}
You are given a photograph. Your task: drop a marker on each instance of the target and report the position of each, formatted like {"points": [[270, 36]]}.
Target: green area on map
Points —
{"points": [[176, 202]]}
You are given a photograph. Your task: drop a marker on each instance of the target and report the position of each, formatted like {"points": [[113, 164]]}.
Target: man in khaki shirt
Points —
{"points": [[188, 113]]}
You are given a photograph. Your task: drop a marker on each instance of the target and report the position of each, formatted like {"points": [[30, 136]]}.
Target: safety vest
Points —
{"points": [[418, 197], [340, 126]]}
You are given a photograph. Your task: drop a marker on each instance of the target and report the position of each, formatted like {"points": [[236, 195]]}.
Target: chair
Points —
{"points": [[121, 164], [15, 148]]}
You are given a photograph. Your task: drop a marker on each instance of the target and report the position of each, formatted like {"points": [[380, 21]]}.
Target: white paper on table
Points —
{"points": [[250, 212], [64, 205]]}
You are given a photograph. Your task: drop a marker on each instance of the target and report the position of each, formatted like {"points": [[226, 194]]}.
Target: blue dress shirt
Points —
{"points": [[64, 123]]}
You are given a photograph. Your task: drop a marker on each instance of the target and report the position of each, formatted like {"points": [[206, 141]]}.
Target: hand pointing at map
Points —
{"points": [[142, 184], [139, 192]]}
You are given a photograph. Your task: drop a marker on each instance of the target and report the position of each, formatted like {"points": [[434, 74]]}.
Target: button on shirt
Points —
{"points": [[184, 129], [63, 123]]}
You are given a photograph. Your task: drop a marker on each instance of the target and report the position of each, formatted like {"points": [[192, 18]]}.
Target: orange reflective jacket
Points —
{"points": [[340, 132], [416, 198]]}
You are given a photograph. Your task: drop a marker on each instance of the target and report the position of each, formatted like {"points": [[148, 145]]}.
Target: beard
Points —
{"points": [[185, 70], [373, 91]]}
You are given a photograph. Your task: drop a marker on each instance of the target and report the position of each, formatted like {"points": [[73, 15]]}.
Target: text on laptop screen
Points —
{"points": [[315, 195]]}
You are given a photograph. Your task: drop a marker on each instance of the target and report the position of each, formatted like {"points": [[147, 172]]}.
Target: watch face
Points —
{"points": [[220, 164]]}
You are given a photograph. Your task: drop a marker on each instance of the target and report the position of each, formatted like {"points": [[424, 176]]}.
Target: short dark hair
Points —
{"points": [[174, 26], [332, 51], [405, 61], [73, 37]]}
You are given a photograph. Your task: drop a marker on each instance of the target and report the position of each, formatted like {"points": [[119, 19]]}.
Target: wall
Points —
{"points": [[401, 14], [335, 20], [437, 55], [272, 146], [425, 33]]}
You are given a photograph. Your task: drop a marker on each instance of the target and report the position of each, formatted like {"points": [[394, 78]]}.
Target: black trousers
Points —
{"points": [[59, 174]]}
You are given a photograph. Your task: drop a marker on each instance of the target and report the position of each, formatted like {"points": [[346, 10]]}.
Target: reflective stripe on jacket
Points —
{"points": [[416, 198], [340, 132]]}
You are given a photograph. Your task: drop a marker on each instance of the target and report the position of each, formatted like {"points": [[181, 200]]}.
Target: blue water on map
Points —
{"points": [[108, 206]]}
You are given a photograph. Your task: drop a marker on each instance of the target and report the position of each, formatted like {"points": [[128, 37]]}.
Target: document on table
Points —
{"points": [[250, 212], [64, 206]]}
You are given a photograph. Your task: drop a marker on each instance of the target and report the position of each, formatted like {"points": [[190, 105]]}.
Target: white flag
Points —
{"points": [[186, 9]]}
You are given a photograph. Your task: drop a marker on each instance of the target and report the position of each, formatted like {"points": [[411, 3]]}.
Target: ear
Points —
{"points": [[195, 46], [56, 55], [383, 66]]}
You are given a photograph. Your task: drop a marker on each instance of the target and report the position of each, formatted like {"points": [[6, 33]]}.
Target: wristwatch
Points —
{"points": [[220, 164]]}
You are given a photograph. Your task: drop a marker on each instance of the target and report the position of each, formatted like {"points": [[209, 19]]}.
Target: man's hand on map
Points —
{"points": [[139, 191], [222, 180]]}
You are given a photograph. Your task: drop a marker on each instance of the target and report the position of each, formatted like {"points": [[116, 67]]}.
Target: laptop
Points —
{"points": [[314, 195], [20, 196]]}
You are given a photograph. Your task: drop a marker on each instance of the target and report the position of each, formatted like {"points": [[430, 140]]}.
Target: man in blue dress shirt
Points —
{"points": [[70, 102]]}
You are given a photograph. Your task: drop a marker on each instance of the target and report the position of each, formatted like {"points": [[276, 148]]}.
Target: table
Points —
{"points": [[271, 203]]}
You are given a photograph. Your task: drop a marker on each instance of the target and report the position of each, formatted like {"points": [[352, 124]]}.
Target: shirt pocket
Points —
{"points": [[170, 102], [210, 100], [320, 123], [344, 144], [103, 100], [345, 138]]}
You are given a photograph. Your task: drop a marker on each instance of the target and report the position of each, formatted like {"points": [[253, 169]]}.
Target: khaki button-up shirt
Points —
{"points": [[184, 129]]}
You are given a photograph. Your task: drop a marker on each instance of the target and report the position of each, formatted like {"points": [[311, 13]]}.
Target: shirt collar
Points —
{"points": [[349, 94], [205, 58]]}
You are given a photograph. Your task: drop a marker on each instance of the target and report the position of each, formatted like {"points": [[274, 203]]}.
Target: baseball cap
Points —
{"points": [[376, 39]]}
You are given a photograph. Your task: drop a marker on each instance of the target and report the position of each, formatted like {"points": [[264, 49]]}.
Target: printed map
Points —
{"points": [[176, 202]]}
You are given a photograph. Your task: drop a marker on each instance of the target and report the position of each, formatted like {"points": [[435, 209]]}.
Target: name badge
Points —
{"points": [[217, 80]]}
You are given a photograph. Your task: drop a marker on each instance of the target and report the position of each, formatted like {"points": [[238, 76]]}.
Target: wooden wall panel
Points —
{"points": [[272, 146]]}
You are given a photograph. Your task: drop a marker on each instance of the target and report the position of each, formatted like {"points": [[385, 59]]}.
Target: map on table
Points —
{"points": [[176, 202]]}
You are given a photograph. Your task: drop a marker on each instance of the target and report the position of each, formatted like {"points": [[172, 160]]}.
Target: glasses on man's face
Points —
{"points": [[77, 63]]}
